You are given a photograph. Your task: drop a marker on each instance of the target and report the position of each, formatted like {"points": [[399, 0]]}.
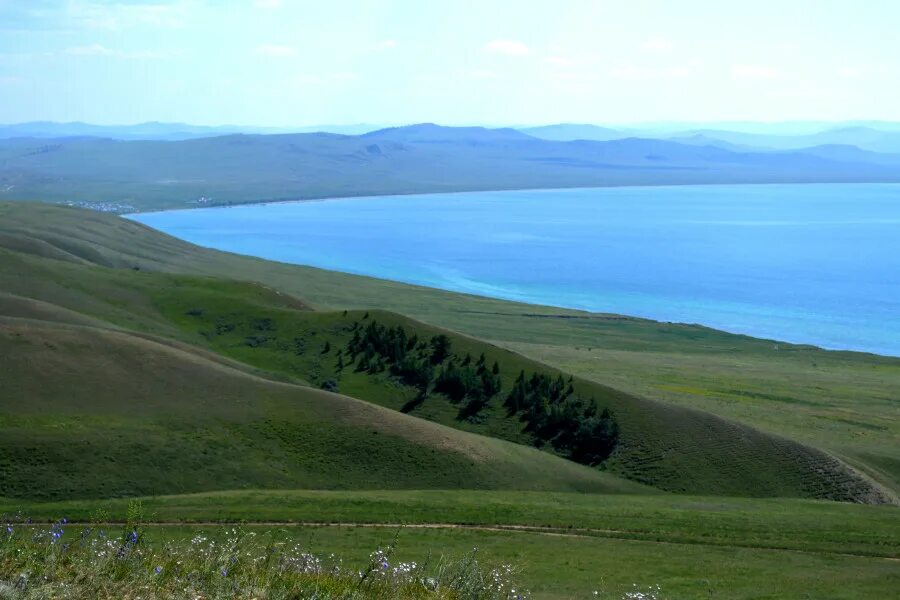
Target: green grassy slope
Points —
{"points": [[672, 448], [422, 158], [89, 412]]}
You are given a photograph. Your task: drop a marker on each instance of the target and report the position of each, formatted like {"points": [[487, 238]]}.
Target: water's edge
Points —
{"points": [[480, 284]]}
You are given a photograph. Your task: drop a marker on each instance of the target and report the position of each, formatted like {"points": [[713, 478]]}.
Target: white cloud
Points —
{"points": [[657, 45], [560, 61], [101, 50], [307, 80], [678, 71], [275, 50], [860, 71], [632, 72], [91, 50], [629, 72], [267, 4], [565, 59], [386, 45], [115, 17], [508, 47], [483, 74], [750, 72]]}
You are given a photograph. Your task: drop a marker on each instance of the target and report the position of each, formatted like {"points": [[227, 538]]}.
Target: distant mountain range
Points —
{"points": [[874, 137], [565, 132], [159, 131], [238, 168]]}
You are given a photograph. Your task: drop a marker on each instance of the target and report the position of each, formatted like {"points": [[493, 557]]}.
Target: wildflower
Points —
{"points": [[9, 529], [158, 570], [224, 572], [133, 538]]}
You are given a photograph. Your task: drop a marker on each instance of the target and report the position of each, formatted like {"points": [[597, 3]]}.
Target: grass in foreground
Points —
{"points": [[230, 563], [548, 567]]}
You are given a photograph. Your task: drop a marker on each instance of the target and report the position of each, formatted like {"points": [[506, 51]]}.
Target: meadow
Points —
{"points": [[561, 545]]}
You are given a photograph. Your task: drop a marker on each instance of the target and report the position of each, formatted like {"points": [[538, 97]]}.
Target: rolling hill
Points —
{"points": [[91, 412], [124, 364], [148, 174]]}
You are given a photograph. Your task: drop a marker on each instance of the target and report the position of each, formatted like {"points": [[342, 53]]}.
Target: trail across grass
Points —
{"points": [[809, 526]]}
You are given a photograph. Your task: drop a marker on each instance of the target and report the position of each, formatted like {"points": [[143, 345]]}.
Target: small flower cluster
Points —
{"points": [[301, 562], [651, 593]]}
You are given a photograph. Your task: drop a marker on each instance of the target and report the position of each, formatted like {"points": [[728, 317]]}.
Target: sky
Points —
{"points": [[516, 62]]}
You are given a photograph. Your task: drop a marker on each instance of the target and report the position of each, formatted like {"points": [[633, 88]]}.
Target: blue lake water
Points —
{"points": [[815, 264]]}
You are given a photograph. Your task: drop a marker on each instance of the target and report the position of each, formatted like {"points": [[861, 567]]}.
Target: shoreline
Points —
{"points": [[501, 190], [580, 312]]}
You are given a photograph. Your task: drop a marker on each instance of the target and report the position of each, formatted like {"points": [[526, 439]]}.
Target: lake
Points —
{"points": [[816, 264]]}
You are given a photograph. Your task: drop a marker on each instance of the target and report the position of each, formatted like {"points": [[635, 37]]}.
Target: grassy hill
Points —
{"points": [[72, 291], [843, 402], [91, 413], [151, 174]]}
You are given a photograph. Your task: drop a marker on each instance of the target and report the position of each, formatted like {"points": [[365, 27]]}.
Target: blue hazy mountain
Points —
{"points": [[240, 168], [160, 131], [565, 132]]}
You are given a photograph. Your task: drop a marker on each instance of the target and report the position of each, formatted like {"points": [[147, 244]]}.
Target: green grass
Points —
{"points": [[123, 415], [802, 525], [690, 546], [557, 567], [227, 563]]}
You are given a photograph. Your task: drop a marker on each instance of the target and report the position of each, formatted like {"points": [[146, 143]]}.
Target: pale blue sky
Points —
{"points": [[303, 62]]}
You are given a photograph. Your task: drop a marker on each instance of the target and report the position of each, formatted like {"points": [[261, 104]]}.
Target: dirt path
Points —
{"points": [[576, 532]]}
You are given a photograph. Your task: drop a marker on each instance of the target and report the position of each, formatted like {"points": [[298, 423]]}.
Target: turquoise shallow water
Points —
{"points": [[815, 264]]}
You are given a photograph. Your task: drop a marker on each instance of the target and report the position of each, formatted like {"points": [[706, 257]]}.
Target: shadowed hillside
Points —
{"points": [[96, 413]]}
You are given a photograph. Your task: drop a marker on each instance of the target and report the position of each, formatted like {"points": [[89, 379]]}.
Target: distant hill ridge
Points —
{"points": [[423, 158]]}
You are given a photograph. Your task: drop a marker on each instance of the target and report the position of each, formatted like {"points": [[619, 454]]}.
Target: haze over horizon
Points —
{"points": [[277, 63]]}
